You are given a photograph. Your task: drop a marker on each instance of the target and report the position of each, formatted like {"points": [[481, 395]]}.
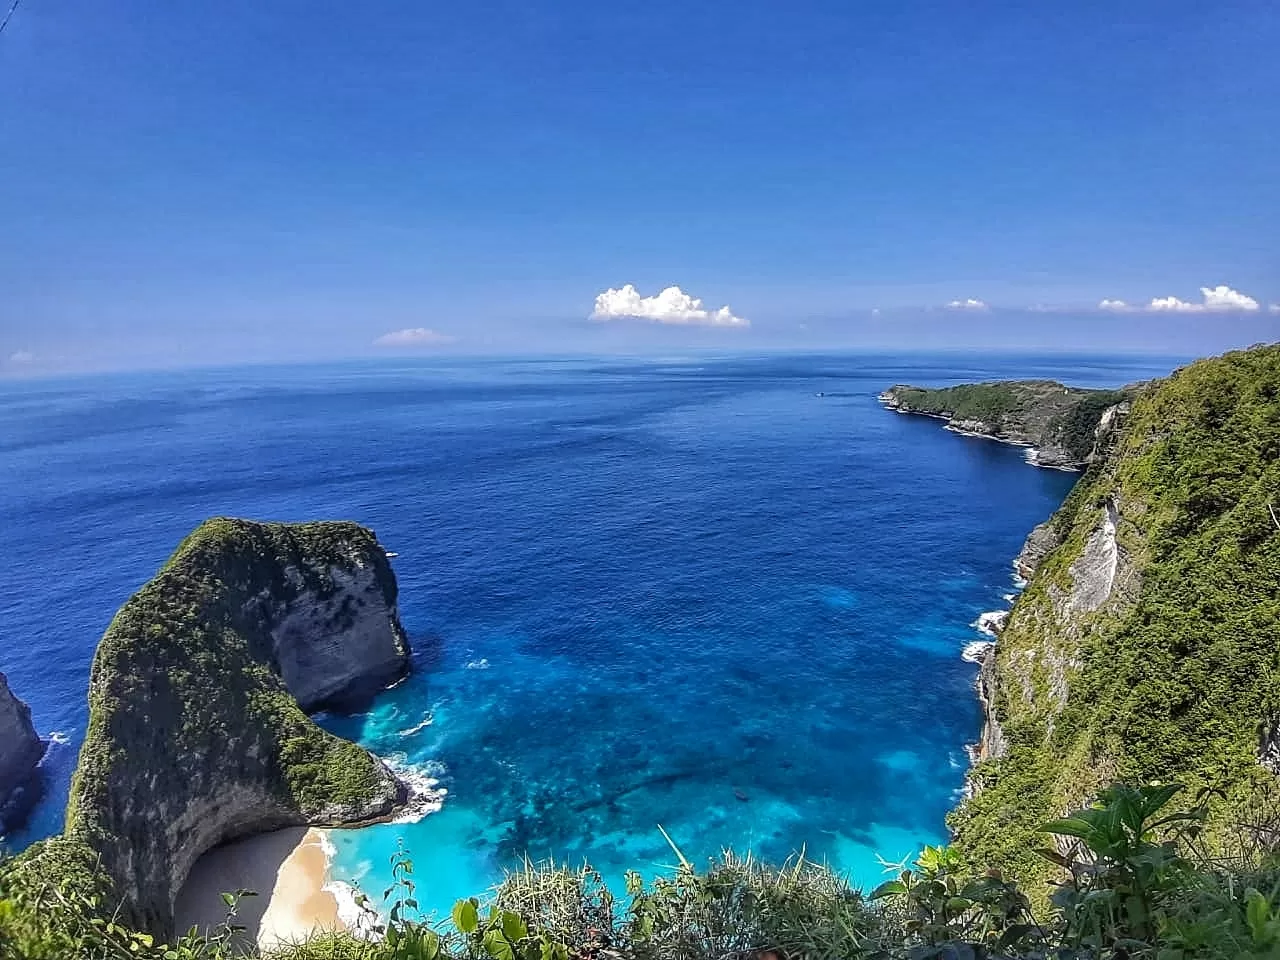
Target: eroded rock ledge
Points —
{"points": [[197, 731]]}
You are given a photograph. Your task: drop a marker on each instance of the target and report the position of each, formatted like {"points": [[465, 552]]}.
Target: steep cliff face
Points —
{"points": [[1144, 646], [1057, 422], [197, 732], [20, 752]]}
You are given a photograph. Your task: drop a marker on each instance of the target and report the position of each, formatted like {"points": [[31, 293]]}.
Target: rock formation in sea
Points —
{"points": [[20, 751], [197, 726]]}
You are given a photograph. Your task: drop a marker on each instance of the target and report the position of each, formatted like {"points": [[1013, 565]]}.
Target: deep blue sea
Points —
{"points": [[727, 596]]}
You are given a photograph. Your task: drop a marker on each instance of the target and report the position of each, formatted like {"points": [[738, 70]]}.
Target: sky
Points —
{"points": [[186, 183]]}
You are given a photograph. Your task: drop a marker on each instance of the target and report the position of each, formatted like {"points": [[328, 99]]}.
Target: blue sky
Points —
{"points": [[186, 183]]}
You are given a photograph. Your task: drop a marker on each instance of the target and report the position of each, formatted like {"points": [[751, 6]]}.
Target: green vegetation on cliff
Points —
{"points": [[1058, 420], [1146, 645]]}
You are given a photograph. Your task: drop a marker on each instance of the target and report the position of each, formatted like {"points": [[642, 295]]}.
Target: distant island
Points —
{"points": [[1057, 422]]}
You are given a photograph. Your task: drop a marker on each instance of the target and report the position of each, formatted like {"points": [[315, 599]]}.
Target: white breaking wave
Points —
{"points": [[58, 737], [973, 652], [426, 796], [481, 664], [426, 722], [991, 622], [360, 921]]}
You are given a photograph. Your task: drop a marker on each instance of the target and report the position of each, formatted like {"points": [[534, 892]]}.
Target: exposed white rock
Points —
{"points": [[993, 744], [1094, 572]]}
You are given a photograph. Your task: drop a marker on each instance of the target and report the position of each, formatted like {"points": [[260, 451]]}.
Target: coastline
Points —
{"points": [[1031, 451], [289, 872]]}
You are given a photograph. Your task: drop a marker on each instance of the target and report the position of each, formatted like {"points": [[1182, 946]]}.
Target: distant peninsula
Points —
{"points": [[1059, 423]]}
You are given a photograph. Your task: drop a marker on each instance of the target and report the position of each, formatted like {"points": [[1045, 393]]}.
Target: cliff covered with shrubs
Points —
{"points": [[1145, 644], [197, 697]]}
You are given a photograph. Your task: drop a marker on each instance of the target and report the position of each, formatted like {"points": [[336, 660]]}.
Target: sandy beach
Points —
{"points": [[287, 868]]}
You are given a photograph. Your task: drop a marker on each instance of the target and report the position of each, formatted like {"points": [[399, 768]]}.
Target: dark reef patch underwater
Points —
{"points": [[689, 592]]}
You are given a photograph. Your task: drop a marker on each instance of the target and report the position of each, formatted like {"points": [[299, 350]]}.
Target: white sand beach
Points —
{"points": [[287, 868]]}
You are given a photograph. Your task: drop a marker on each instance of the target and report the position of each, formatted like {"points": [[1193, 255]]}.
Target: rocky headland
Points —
{"points": [[198, 728], [1058, 423], [20, 751], [1143, 646]]}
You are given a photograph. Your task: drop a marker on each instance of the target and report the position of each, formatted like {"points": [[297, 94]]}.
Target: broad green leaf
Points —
{"points": [[889, 888], [465, 916], [1070, 827], [513, 928]]}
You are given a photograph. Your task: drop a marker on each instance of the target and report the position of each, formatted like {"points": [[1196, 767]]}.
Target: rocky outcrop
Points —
{"points": [[1041, 542], [993, 744], [337, 645], [20, 752], [197, 731]]}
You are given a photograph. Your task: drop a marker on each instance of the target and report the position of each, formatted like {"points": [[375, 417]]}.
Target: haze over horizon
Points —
{"points": [[290, 182]]}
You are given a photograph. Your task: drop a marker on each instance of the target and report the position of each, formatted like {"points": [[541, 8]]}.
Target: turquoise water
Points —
{"points": [[693, 593]]}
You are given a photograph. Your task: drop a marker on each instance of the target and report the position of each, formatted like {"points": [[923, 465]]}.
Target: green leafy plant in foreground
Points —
{"points": [[1121, 855], [947, 908]]}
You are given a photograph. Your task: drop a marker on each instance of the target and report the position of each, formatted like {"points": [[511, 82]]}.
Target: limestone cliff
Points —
{"points": [[1058, 423], [20, 752], [197, 730], [1144, 646]]}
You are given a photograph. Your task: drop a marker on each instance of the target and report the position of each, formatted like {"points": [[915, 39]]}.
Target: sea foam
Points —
{"points": [[426, 796], [991, 622], [357, 918], [410, 731]]}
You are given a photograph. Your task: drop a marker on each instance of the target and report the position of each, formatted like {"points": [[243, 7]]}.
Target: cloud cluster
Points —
{"points": [[672, 306], [21, 358], [969, 304], [1219, 299], [414, 337]]}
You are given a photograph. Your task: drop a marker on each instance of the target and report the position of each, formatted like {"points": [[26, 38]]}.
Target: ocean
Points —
{"points": [[728, 596]]}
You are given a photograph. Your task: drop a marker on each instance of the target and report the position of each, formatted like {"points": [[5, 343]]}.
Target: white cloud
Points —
{"points": [[1173, 304], [21, 358], [414, 337], [1275, 308], [969, 304], [672, 306], [1219, 299], [1224, 298]]}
